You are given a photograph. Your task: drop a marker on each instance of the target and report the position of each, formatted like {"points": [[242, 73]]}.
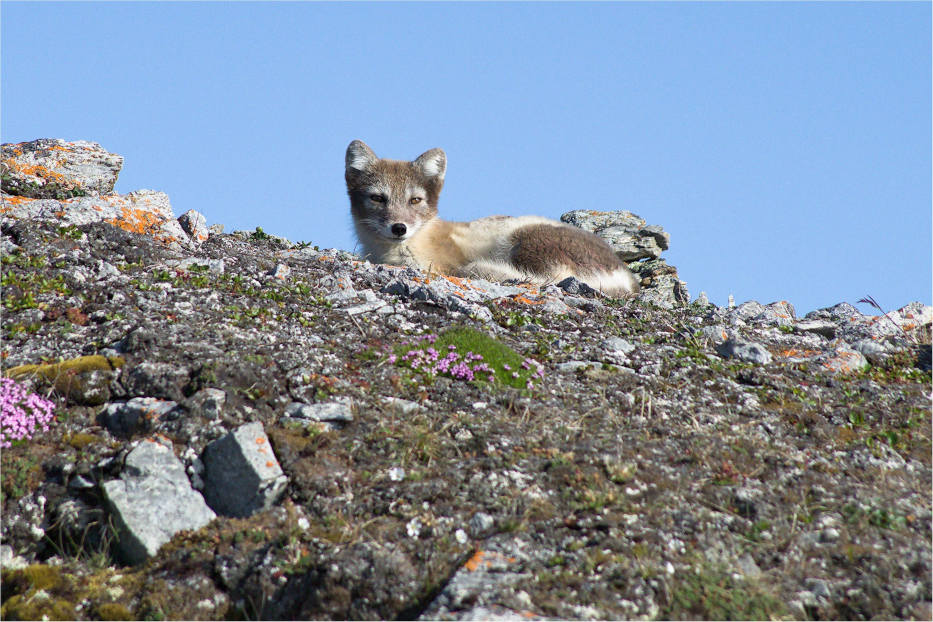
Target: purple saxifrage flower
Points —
{"points": [[21, 413]]}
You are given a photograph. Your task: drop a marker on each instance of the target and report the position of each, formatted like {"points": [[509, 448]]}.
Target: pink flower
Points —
{"points": [[21, 415]]}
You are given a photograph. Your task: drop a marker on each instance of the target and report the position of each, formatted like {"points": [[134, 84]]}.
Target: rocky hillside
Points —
{"points": [[250, 428]]}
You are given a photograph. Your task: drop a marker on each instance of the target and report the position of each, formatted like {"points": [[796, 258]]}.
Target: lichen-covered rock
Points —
{"points": [[660, 284], [625, 232], [143, 212], [51, 168], [640, 246], [152, 501], [242, 475], [195, 225]]}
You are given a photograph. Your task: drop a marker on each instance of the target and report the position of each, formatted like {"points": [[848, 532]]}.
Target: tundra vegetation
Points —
{"points": [[579, 458]]}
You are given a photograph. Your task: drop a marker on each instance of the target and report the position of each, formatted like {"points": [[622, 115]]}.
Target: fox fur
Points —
{"points": [[394, 208]]}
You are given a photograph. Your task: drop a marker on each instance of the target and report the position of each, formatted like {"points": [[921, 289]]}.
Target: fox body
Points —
{"points": [[394, 208]]}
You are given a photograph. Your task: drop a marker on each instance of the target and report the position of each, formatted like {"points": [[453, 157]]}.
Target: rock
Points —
{"points": [[747, 351], [625, 232], [820, 327], [139, 414], [152, 501], [51, 168], [242, 475], [633, 241], [872, 350], [337, 411], [576, 287], [716, 334], [280, 272], [142, 212], [160, 380], [195, 225], [481, 524], [776, 314], [747, 567], [844, 360], [617, 345], [207, 403], [659, 283]]}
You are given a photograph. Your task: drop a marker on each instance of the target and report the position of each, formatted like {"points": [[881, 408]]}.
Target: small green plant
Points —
{"points": [[259, 234], [711, 593], [71, 232], [467, 354]]}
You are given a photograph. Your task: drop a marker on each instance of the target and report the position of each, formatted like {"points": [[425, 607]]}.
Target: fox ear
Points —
{"points": [[433, 163], [359, 156]]}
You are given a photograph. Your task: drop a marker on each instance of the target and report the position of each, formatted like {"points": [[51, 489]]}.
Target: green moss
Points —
{"points": [[37, 576], [114, 611], [54, 371], [38, 606], [32, 597], [80, 440], [508, 366], [712, 594], [20, 475]]}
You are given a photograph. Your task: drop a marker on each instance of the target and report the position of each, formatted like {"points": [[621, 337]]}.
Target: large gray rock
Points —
{"points": [[124, 419], [339, 411], [743, 350], [659, 283], [242, 475], [640, 245], [627, 234], [152, 501], [143, 211], [51, 168]]}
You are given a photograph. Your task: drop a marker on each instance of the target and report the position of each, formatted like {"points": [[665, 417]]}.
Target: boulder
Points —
{"points": [[152, 501], [242, 475], [628, 234], [143, 212], [51, 168], [639, 245]]}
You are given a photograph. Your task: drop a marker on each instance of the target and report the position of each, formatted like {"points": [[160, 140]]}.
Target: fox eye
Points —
{"points": [[415, 200], [377, 198]]}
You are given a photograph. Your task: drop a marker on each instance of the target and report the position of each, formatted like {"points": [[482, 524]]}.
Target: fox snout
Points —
{"points": [[399, 229]]}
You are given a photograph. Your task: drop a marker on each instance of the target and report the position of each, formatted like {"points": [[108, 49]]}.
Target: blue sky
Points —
{"points": [[785, 147]]}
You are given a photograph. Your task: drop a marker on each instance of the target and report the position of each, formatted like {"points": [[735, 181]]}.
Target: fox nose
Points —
{"points": [[399, 229]]}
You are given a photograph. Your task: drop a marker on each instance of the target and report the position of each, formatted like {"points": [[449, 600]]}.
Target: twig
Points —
{"points": [[870, 300]]}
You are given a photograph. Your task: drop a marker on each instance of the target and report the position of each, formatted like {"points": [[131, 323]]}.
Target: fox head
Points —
{"points": [[392, 199]]}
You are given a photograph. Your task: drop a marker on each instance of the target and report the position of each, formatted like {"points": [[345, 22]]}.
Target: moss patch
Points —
{"points": [[469, 354]]}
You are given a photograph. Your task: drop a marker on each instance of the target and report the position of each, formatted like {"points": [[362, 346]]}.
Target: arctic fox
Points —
{"points": [[394, 208]]}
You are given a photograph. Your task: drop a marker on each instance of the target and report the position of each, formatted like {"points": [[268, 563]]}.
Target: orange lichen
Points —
{"points": [[473, 563], [456, 281], [794, 352], [136, 221], [38, 170], [14, 200], [487, 558], [525, 300]]}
